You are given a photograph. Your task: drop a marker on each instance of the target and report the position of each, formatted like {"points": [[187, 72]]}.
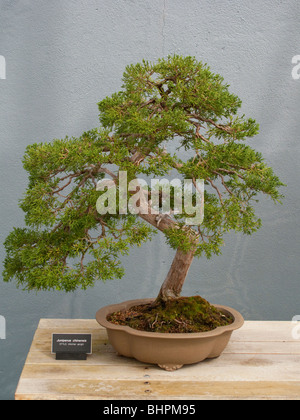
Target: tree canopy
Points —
{"points": [[176, 102]]}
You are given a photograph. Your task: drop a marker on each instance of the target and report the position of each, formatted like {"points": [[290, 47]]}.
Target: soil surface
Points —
{"points": [[181, 315]]}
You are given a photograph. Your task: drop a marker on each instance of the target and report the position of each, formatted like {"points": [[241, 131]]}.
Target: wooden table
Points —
{"points": [[262, 361]]}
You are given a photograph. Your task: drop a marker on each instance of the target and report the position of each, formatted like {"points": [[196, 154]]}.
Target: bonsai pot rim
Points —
{"points": [[101, 317]]}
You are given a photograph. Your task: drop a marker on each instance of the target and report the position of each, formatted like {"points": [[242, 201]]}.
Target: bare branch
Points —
{"points": [[223, 182], [226, 128], [217, 189]]}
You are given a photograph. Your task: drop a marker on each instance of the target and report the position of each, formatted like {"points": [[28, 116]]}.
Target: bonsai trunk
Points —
{"points": [[172, 286], [173, 283]]}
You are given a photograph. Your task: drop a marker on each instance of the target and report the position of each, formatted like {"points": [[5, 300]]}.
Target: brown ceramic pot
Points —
{"points": [[169, 351]]}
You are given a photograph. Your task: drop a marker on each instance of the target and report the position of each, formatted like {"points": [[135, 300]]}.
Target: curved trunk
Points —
{"points": [[172, 286]]}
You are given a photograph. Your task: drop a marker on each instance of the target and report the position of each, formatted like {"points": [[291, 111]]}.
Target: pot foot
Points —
{"points": [[170, 368]]}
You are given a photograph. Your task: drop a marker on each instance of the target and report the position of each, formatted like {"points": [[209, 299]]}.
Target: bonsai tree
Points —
{"points": [[68, 244]]}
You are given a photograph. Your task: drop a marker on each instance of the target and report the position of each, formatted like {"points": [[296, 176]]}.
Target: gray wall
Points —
{"points": [[62, 57]]}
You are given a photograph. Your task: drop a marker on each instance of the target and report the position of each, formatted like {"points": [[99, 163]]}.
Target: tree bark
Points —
{"points": [[172, 286]]}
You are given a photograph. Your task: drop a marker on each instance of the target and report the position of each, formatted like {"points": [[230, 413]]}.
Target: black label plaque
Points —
{"points": [[71, 346]]}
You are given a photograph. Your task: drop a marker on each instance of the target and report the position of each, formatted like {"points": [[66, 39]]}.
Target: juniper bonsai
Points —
{"points": [[67, 244]]}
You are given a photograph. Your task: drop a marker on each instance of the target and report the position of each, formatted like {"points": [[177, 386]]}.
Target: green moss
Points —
{"points": [[181, 315]]}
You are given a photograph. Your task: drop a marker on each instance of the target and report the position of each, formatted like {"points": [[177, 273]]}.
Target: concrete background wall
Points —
{"points": [[63, 57]]}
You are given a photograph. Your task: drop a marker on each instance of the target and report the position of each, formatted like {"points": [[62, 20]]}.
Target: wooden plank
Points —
{"points": [[263, 347], [97, 358], [260, 362], [265, 331], [245, 368], [48, 323], [132, 389]]}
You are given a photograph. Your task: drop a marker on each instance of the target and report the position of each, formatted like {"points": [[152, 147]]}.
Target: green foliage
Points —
{"points": [[69, 245], [176, 101]]}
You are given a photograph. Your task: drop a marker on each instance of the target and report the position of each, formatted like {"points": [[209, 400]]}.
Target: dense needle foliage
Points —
{"points": [[67, 244]]}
